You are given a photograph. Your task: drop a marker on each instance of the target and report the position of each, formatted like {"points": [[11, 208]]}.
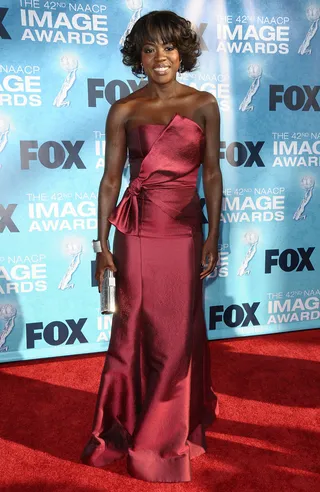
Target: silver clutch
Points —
{"points": [[108, 293]]}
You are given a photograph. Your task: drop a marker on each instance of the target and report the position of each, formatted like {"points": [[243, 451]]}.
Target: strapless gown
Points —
{"points": [[155, 397]]}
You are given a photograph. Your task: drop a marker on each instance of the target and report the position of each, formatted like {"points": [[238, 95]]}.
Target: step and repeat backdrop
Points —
{"points": [[60, 71]]}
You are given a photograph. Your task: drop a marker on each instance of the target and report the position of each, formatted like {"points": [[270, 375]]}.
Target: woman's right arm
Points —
{"points": [[115, 158]]}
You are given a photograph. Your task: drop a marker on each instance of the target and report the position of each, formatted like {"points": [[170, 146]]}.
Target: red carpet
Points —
{"points": [[266, 437]]}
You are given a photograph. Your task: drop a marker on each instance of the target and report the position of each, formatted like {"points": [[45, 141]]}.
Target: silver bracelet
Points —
{"points": [[96, 244]]}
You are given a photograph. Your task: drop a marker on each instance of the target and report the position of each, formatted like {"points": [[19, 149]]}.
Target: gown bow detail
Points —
{"points": [[168, 174]]}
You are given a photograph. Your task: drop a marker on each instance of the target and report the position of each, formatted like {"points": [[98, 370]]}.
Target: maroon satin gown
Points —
{"points": [[155, 397]]}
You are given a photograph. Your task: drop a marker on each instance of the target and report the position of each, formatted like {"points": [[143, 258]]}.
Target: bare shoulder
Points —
{"points": [[118, 114], [201, 96], [121, 111], [209, 104], [204, 104]]}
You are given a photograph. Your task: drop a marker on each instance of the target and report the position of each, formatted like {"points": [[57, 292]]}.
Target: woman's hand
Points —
{"points": [[104, 262], [209, 256]]}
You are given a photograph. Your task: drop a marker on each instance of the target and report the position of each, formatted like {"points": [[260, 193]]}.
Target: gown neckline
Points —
{"points": [[169, 123]]}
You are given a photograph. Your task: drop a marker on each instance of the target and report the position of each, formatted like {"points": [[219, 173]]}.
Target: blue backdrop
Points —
{"points": [[61, 70]]}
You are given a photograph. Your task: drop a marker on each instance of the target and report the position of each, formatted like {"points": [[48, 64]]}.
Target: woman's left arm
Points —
{"points": [[212, 183]]}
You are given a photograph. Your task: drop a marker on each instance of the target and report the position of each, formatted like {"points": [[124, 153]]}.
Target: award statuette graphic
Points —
{"points": [[255, 73], [7, 313], [70, 65], [313, 15], [307, 183], [136, 6], [4, 132], [252, 239], [75, 251]]}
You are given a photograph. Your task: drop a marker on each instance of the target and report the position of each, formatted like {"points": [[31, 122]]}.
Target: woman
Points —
{"points": [[155, 397]]}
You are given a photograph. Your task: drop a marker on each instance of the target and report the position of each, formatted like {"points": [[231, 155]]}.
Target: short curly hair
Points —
{"points": [[170, 28]]}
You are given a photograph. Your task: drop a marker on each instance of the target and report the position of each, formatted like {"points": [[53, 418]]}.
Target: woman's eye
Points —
{"points": [[149, 50]]}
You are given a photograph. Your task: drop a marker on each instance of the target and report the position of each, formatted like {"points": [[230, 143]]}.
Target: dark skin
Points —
{"points": [[156, 103]]}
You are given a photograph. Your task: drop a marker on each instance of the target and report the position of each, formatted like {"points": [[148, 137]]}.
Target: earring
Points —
{"points": [[180, 68], [142, 74]]}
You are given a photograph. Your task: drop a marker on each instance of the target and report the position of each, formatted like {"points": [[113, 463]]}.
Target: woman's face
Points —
{"points": [[160, 61]]}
